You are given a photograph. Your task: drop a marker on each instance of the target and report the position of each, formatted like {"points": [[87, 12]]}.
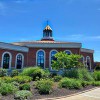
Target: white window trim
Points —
{"points": [[69, 51], [44, 56], [50, 58], [83, 60], [10, 60], [90, 61], [22, 60]]}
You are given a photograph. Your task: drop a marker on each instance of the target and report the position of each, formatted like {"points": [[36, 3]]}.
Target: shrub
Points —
{"points": [[44, 86], [22, 79], [3, 72], [85, 83], [46, 73], [97, 67], [7, 88], [14, 73], [7, 79], [33, 72], [96, 75], [22, 95], [52, 74], [80, 73], [57, 78], [25, 86], [70, 83], [96, 83]]}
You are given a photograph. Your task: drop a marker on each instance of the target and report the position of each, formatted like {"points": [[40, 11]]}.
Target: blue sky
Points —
{"points": [[71, 20]]}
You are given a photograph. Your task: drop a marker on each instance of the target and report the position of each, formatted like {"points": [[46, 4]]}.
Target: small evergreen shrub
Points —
{"points": [[96, 75], [25, 86], [96, 83], [3, 72], [70, 83], [23, 95], [44, 86], [7, 88], [57, 78], [14, 73], [22, 79], [33, 72]]}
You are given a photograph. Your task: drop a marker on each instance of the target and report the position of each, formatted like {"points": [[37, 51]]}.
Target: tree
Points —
{"points": [[65, 61]]}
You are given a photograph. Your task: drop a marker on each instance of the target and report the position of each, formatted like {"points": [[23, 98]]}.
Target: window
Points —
{"points": [[19, 61], [40, 58], [82, 60], [52, 57], [88, 62], [68, 52], [6, 60]]}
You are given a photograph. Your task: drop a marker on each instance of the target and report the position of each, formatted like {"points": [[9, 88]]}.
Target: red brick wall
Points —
{"points": [[30, 57]]}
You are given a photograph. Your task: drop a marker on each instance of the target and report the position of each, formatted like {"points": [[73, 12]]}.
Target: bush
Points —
{"points": [[3, 72], [70, 83], [14, 73], [44, 86], [22, 79], [96, 83], [57, 78], [80, 73], [97, 67], [86, 83], [25, 86], [96, 75], [33, 72], [7, 88], [7, 79], [46, 73], [52, 74], [22, 95]]}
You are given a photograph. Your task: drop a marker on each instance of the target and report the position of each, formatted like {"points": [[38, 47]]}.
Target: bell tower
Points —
{"points": [[47, 33]]}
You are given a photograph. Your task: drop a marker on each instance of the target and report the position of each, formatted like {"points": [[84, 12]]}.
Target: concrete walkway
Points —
{"points": [[90, 95]]}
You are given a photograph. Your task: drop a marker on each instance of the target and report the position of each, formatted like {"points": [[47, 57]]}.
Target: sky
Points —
{"points": [[70, 20]]}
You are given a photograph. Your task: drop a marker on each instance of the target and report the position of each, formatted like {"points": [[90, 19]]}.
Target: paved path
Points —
{"points": [[90, 95]]}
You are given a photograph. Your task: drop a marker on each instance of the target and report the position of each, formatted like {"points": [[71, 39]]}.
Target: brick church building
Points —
{"points": [[40, 53]]}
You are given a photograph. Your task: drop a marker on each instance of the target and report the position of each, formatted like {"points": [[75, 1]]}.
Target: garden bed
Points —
{"points": [[57, 92]]}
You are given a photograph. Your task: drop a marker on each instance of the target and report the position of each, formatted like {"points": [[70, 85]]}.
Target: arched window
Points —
{"points": [[52, 57], [6, 60], [82, 60], [68, 52], [40, 58], [88, 62], [19, 61]]}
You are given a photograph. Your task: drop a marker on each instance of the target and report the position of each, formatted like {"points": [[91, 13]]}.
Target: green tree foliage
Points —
{"points": [[65, 61]]}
